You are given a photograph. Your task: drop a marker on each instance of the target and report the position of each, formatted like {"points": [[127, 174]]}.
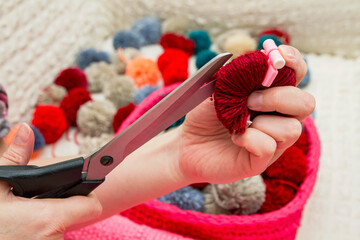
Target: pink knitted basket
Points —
{"points": [[279, 224]]}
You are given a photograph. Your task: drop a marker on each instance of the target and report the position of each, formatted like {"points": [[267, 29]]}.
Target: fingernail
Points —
{"points": [[288, 52], [255, 101], [22, 135]]}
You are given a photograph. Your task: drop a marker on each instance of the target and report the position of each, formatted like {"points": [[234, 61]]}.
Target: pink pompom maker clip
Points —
{"points": [[275, 61]]}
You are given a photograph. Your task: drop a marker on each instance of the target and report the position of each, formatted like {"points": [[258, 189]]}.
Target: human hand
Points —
{"points": [[23, 218], [210, 154]]}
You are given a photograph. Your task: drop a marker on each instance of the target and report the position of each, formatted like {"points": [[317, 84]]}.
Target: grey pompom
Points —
{"points": [[89, 144], [242, 197], [120, 90], [95, 117], [97, 74], [52, 95]]}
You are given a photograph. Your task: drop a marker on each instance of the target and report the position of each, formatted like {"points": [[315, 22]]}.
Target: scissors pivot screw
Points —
{"points": [[106, 160]]}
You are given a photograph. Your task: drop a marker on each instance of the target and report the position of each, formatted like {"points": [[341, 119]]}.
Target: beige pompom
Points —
{"points": [[95, 117], [97, 74], [51, 95], [176, 24], [120, 90], [242, 197], [89, 144], [237, 42]]}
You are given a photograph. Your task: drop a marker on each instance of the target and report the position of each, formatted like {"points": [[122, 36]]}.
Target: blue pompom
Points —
{"points": [[39, 139], [306, 80], [265, 37], [177, 123], [124, 39], [201, 39], [90, 55], [149, 29], [203, 57], [143, 92], [186, 198]]}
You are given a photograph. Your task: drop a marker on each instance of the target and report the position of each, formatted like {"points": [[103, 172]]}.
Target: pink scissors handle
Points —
{"points": [[175, 105]]}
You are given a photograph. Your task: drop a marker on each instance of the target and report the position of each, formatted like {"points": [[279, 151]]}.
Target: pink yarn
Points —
{"points": [[279, 224]]}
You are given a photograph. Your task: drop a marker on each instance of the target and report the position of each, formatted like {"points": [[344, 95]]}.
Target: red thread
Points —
{"points": [[236, 81], [76, 133], [53, 146]]}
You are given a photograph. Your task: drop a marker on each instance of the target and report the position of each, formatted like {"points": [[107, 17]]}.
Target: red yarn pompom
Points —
{"points": [[121, 114], [284, 37], [278, 194], [236, 81], [172, 40], [291, 166], [72, 102], [303, 143], [71, 78], [173, 65], [51, 122]]}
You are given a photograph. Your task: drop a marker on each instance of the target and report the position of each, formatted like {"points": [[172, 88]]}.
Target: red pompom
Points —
{"points": [[71, 78], [173, 65], [291, 166], [236, 81], [121, 114], [278, 194], [51, 122], [283, 37], [303, 143], [72, 102], [171, 40]]}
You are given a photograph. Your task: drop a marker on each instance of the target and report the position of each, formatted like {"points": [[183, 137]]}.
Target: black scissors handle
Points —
{"points": [[58, 180]]}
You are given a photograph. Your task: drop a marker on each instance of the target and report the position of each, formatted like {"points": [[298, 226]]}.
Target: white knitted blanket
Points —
{"points": [[38, 38]]}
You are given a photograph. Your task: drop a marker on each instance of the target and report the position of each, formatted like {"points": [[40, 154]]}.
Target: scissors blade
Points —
{"points": [[175, 105]]}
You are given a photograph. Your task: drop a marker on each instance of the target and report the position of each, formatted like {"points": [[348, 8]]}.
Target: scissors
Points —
{"points": [[80, 176]]}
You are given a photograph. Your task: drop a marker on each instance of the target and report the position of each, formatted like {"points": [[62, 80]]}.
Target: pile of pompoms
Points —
{"points": [[102, 89]]}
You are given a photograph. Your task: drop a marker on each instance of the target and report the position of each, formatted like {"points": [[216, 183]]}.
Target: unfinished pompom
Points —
{"points": [[89, 144], [242, 197], [95, 117], [97, 74], [120, 90], [176, 24], [51, 95]]}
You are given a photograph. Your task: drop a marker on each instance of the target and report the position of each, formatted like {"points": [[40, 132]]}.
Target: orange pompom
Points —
{"points": [[143, 71]]}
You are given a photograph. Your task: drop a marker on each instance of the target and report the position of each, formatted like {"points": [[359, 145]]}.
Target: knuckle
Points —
{"points": [[272, 98], [96, 209]]}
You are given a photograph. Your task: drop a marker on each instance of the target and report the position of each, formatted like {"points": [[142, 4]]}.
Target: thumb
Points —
{"points": [[19, 151]]}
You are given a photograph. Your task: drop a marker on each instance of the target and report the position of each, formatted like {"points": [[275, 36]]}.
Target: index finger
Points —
{"points": [[294, 60]]}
